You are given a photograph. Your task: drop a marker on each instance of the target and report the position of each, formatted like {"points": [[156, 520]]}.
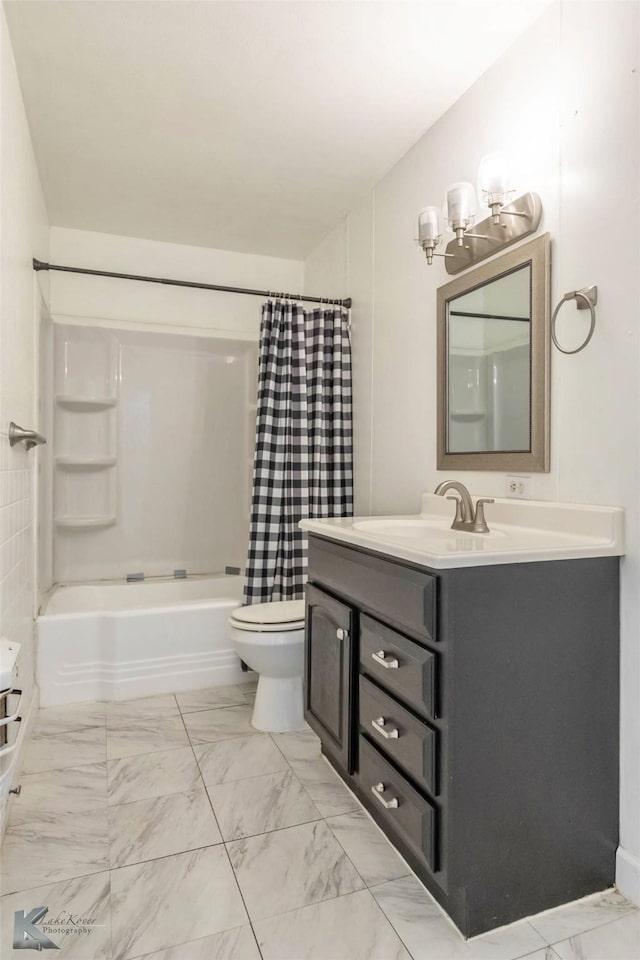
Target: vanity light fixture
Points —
{"points": [[510, 220]]}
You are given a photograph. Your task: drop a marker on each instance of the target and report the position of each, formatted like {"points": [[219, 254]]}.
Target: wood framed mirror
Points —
{"points": [[494, 364]]}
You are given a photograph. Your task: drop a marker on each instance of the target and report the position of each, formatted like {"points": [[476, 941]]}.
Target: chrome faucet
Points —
{"points": [[467, 517]]}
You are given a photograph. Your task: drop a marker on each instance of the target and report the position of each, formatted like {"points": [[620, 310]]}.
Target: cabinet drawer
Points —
{"points": [[401, 594], [409, 742], [397, 663], [408, 815]]}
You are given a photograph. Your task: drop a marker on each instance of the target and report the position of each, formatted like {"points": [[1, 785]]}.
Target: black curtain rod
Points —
{"points": [[40, 265]]}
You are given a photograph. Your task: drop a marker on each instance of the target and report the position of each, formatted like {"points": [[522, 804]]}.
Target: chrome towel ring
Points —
{"points": [[586, 300]]}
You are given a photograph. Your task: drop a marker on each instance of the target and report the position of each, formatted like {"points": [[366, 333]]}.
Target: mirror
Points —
{"points": [[493, 364]]}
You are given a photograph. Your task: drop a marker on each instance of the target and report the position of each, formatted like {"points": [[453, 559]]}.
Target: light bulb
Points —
{"points": [[493, 182], [460, 208], [429, 230]]}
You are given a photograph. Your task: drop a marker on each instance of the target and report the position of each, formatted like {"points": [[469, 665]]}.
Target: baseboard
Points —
{"points": [[628, 875], [144, 676], [13, 761]]}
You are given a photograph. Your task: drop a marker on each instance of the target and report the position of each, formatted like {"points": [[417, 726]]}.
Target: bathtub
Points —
{"points": [[111, 641]]}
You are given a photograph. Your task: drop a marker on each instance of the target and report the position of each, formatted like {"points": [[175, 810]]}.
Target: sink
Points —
{"points": [[417, 528], [520, 531]]}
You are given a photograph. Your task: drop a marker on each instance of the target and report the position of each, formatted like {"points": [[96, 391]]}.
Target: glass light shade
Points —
{"points": [[460, 206], [493, 175], [429, 225]]}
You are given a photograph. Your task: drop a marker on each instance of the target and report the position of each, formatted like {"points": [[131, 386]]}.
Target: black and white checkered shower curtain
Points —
{"points": [[303, 463]]}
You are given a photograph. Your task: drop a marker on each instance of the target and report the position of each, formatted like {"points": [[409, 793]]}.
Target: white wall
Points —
{"points": [[23, 235], [563, 101], [157, 306], [328, 265]]}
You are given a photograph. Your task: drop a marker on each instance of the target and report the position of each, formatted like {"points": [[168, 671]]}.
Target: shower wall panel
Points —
{"points": [[152, 440]]}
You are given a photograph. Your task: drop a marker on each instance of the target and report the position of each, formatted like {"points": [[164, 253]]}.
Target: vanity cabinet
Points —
{"points": [[474, 712]]}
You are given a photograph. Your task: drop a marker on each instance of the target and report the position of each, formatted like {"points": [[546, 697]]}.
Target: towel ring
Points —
{"points": [[589, 298]]}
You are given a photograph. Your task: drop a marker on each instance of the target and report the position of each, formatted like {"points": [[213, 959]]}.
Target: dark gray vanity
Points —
{"points": [[474, 712]]}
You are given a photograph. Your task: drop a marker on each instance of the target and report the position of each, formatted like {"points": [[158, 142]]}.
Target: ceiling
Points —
{"points": [[248, 126]]}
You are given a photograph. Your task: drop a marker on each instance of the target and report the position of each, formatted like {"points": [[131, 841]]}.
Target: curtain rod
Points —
{"points": [[40, 265]]}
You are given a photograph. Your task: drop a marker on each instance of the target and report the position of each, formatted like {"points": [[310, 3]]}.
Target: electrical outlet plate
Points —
{"points": [[518, 487]]}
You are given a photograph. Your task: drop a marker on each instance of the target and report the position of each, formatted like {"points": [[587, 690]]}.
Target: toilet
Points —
{"points": [[269, 637]]}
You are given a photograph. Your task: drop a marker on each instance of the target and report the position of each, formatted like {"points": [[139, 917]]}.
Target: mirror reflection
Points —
{"points": [[488, 336]]}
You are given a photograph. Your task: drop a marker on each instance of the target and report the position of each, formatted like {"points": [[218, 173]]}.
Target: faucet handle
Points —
{"points": [[460, 515], [479, 522]]}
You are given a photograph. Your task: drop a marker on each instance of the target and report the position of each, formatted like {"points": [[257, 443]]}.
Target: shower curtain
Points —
{"points": [[303, 464]]}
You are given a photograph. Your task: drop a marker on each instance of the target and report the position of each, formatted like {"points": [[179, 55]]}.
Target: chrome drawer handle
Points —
{"points": [[381, 658], [342, 634], [378, 726], [377, 791]]}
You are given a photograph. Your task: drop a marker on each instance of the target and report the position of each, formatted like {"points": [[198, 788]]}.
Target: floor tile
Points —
{"points": [[427, 932], [143, 708], [581, 915], [86, 897], [163, 903], [238, 759], [42, 851], [351, 927], [325, 787], [238, 944], [73, 716], [58, 750], [211, 725], [304, 745], [548, 953], [291, 868], [46, 795], [619, 940], [161, 826], [250, 687], [151, 775], [191, 701], [368, 849], [245, 808], [130, 738]]}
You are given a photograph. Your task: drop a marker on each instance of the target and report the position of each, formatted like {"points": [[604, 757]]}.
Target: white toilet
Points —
{"points": [[269, 637]]}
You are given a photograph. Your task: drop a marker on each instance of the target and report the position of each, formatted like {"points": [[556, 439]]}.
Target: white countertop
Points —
{"points": [[521, 531]]}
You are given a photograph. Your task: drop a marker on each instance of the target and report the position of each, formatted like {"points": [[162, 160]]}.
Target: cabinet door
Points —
{"points": [[329, 673]]}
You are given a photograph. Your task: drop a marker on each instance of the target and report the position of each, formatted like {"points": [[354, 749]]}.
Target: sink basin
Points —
{"points": [[417, 528], [520, 531]]}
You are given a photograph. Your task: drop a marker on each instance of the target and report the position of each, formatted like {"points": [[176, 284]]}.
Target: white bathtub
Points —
{"points": [[117, 640]]}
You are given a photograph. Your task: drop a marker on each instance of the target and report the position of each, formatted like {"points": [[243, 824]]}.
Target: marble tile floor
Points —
{"points": [[167, 828]]}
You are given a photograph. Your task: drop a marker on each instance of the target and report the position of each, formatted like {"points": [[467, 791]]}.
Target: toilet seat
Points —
{"points": [[277, 616]]}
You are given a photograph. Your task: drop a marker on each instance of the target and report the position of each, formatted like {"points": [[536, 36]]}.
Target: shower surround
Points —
{"points": [[152, 439], [148, 476]]}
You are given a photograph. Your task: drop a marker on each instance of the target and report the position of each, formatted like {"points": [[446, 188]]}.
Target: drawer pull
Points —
{"points": [[377, 791], [342, 634], [378, 726], [381, 658]]}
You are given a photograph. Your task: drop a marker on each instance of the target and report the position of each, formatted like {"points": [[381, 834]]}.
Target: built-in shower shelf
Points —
{"points": [[85, 403], [84, 463], [80, 522]]}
